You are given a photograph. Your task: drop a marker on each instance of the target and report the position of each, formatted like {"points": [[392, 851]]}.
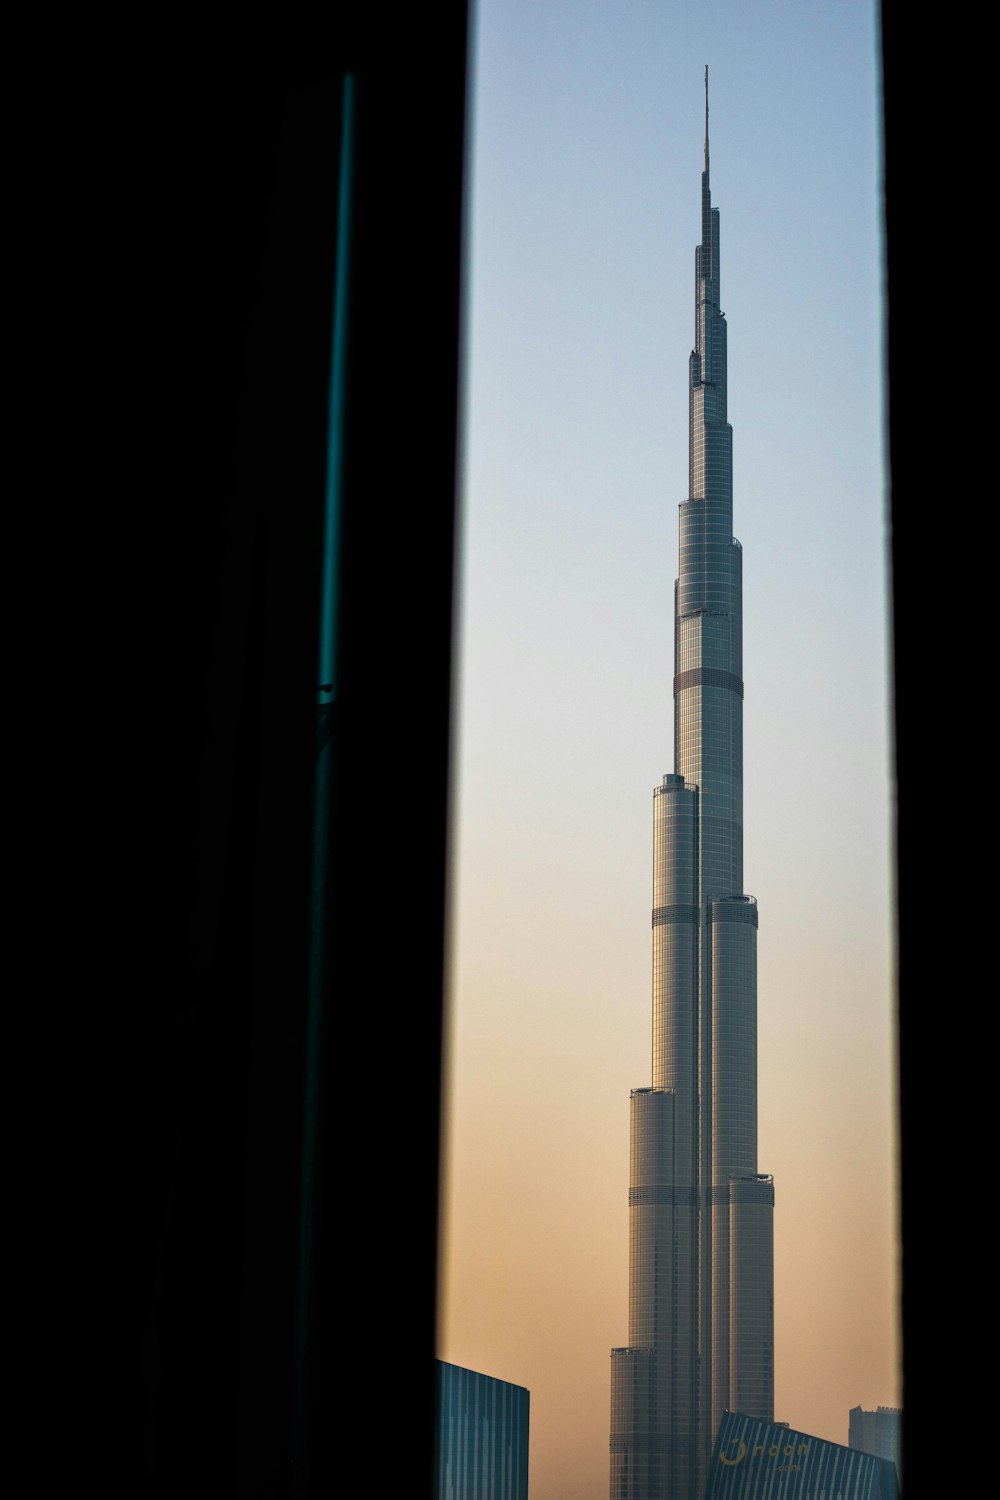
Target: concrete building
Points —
{"points": [[701, 1265], [879, 1431]]}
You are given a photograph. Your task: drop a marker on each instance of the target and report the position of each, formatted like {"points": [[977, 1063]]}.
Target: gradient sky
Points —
{"points": [[584, 215]]}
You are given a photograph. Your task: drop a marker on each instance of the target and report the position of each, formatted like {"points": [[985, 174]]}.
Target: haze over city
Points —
{"points": [[583, 216]]}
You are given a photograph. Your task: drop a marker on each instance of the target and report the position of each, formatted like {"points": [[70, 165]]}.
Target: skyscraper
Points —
{"points": [[701, 1264]]}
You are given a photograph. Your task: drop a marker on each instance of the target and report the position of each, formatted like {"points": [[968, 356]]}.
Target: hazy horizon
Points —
{"points": [[583, 218]]}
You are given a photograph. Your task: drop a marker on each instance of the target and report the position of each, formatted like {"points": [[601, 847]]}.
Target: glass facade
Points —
{"points": [[757, 1460], [701, 1279], [482, 1437]]}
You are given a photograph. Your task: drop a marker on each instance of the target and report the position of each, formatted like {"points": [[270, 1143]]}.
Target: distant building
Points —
{"points": [[758, 1460], [701, 1214], [482, 1437], [879, 1431]]}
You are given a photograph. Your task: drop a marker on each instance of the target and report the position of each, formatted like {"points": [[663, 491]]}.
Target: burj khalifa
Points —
{"points": [[701, 1260]]}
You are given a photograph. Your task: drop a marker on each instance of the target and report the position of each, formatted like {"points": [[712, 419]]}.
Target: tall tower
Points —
{"points": [[701, 1261]]}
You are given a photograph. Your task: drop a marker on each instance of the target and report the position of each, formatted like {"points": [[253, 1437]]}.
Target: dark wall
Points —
{"points": [[935, 968], [227, 159]]}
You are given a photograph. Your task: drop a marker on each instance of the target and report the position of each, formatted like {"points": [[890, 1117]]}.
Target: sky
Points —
{"points": [[583, 215]]}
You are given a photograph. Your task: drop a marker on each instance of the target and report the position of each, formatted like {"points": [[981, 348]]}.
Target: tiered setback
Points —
{"points": [[701, 1293]]}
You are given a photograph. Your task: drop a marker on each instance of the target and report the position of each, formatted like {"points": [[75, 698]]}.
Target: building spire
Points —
{"points": [[706, 119]]}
